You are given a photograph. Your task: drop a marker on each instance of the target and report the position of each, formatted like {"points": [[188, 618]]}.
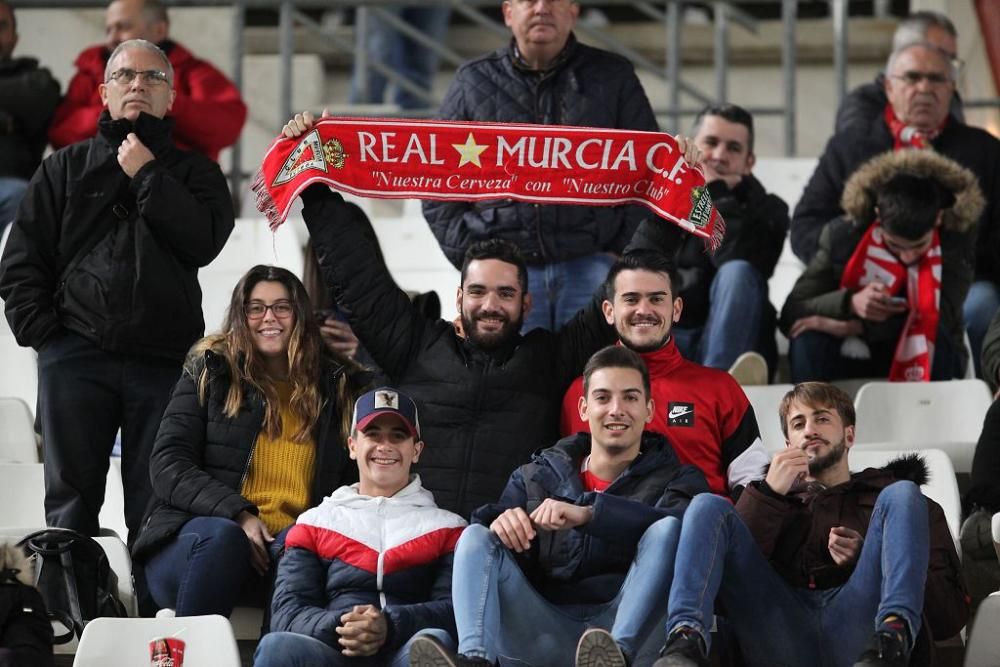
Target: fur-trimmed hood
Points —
{"points": [[15, 565], [858, 198]]}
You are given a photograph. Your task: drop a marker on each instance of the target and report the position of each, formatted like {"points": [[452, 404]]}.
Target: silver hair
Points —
{"points": [[898, 51], [914, 28], [145, 45]]}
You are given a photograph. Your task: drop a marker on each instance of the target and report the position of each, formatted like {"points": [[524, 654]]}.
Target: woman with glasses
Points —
{"points": [[254, 435]]}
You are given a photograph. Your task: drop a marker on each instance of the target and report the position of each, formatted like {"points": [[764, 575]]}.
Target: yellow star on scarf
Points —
{"points": [[469, 151]]}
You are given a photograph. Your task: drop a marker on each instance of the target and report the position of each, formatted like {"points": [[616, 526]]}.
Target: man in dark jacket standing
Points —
{"points": [[100, 276], [545, 76], [726, 309], [814, 560], [919, 86], [28, 97], [583, 536]]}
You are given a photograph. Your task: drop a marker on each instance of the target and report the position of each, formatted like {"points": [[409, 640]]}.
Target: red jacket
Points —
{"points": [[704, 414], [208, 110]]}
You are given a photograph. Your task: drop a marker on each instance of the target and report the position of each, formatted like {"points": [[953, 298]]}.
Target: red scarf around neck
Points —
{"points": [[907, 136], [920, 283], [452, 160]]}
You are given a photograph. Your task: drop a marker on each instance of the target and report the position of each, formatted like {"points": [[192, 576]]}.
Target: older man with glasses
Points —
{"points": [[919, 88], [100, 276]]}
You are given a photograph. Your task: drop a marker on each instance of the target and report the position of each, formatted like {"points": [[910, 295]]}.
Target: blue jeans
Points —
{"points": [[415, 62], [815, 355], [206, 569], [500, 615], [290, 649], [737, 299], [778, 624], [980, 306], [11, 193], [561, 289]]}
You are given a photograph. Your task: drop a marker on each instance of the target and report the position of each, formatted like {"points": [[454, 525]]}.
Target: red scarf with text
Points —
{"points": [[920, 283], [907, 136], [453, 160]]}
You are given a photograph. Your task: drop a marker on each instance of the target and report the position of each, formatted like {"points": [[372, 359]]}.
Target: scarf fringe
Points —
{"points": [[264, 202]]}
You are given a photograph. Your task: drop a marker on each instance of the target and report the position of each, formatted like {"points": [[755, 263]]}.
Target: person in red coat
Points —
{"points": [[208, 110]]}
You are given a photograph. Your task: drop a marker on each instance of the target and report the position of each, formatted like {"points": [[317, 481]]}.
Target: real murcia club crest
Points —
{"points": [[309, 154], [334, 153]]}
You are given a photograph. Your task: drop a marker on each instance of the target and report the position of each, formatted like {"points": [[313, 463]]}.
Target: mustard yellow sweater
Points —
{"points": [[281, 471]]}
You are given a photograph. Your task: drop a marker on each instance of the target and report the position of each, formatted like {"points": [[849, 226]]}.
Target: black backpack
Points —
{"points": [[74, 577]]}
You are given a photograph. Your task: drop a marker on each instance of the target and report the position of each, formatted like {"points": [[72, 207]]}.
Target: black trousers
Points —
{"points": [[84, 396]]}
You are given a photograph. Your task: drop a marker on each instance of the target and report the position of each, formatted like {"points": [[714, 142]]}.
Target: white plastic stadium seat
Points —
{"points": [[765, 400], [983, 649], [23, 495], [918, 415], [17, 432], [124, 642], [22, 498], [941, 487]]}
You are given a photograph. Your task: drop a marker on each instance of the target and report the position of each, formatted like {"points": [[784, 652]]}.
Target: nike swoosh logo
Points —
{"points": [[679, 412]]}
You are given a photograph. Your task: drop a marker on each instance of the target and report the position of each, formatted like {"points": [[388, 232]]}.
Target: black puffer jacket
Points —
{"points": [[586, 87], [756, 225], [971, 147], [141, 242], [201, 457], [481, 414], [28, 98]]}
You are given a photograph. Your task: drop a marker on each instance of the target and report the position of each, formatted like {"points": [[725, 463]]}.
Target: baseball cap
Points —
{"points": [[385, 401]]}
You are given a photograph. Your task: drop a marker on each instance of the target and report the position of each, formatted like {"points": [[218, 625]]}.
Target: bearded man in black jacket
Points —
{"points": [[100, 276]]}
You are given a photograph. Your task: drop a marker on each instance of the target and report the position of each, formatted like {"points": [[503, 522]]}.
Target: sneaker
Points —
{"points": [[684, 649], [597, 648], [425, 651], [885, 649], [750, 369]]}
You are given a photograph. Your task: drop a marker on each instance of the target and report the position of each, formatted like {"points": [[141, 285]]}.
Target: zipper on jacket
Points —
{"points": [[468, 449], [380, 563]]}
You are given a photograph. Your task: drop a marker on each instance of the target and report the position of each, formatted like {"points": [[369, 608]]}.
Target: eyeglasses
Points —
{"points": [[150, 77], [256, 310], [914, 78]]}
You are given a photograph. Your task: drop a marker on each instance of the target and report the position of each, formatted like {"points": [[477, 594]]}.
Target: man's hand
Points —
{"points": [[872, 302], [687, 147], [556, 515], [133, 154], [514, 529], [845, 545], [339, 337], [787, 466], [259, 538], [300, 123], [839, 328], [362, 631]]}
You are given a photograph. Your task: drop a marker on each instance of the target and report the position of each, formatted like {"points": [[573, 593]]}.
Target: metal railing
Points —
{"points": [[727, 14]]}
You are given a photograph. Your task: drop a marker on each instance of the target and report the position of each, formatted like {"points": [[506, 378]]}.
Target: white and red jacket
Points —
{"points": [[392, 552], [704, 414]]}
